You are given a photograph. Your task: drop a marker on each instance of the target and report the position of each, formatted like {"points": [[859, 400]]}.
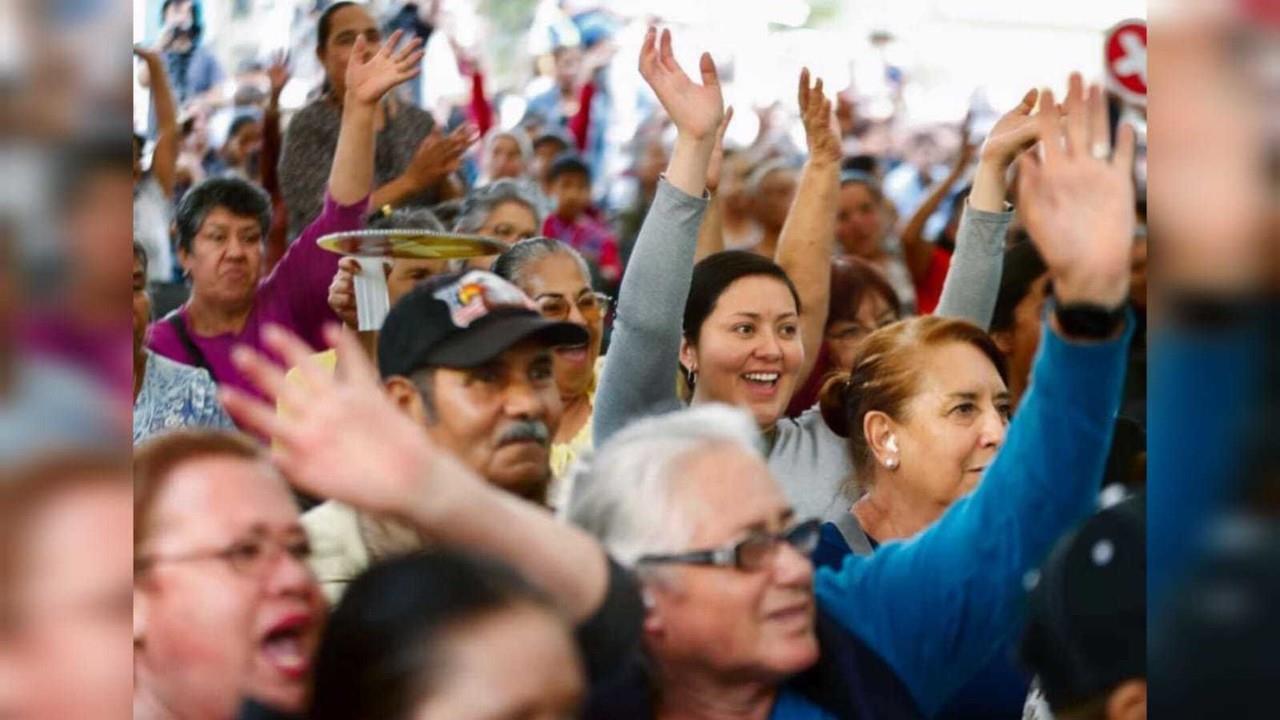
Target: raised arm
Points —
{"points": [[382, 463], [351, 175], [711, 234], [973, 280], [433, 164], [164, 159], [917, 250], [808, 235], [946, 599], [639, 377]]}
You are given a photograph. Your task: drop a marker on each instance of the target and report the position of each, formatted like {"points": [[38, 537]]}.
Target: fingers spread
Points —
{"points": [[1028, 102], [289, 347], [1126, 145], [261, 372], [1077, 116], [1050, 130], [1099, 122], [708, 67], [353, 364], [252, 414], [803, 91]]}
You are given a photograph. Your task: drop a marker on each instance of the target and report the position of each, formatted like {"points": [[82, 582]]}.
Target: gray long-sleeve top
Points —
{"points": [[809, 460]]}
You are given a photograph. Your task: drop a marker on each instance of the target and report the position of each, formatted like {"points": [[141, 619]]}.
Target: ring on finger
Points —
{"points": [[1100, 151]]}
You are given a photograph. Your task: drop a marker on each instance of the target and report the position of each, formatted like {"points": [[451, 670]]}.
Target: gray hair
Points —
{"points": [[408, 218], [483, 200], [756, 178], [623, 494], [512, 264]]}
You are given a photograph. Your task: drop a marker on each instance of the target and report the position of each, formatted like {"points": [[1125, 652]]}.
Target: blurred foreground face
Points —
{"points": [[515, 664], [225, 605], [68, 655], [724, 621]]}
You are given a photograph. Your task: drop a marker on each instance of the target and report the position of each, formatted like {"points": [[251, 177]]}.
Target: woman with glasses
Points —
{"points": [[558, 280]]}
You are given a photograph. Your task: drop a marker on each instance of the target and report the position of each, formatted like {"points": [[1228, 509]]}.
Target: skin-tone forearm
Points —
{"points": [[917, 250], [164, 159], [351, 176], [989, 185], [555, 556], [711, 234], [805, 247]]}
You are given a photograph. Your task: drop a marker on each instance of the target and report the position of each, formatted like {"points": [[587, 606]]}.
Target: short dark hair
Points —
{"points": [[550, 137], [1022, 267], [381, 651], [869, 164], [197, 26], [239, 197], [714, 274], [324, 26], [239, 123], [568, 164], [410, 218]]}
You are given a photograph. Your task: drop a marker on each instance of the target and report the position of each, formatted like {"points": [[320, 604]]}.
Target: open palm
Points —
{"points": [[1078, 201], [368, 80], [695, 109]]}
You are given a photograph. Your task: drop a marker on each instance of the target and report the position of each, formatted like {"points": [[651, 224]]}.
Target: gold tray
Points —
{"points": [[410, 244]]}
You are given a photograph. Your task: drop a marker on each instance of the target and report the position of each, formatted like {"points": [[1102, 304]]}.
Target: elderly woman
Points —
{"points": [[414, 161], [558, 281], [166, 394], [505, 210], [221, 223]]}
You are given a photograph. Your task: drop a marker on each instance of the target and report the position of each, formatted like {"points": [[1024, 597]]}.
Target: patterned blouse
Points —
{"points": [[173, 396]]}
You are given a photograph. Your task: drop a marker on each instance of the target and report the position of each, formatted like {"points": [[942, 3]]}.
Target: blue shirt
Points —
{"points": [[173, 396]]}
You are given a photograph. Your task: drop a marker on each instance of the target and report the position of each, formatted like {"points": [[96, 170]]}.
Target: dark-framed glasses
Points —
{"points": [[250, 556], [557, 307], [750, 553]]}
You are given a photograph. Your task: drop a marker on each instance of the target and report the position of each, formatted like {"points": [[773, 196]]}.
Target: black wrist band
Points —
{"points": [[1089, 321]]}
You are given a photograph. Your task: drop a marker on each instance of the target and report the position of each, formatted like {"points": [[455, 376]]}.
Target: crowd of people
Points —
{"points": [[853, 436]]}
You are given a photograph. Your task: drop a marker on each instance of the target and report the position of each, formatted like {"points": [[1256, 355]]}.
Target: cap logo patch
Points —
{"points": [[478, 293]]}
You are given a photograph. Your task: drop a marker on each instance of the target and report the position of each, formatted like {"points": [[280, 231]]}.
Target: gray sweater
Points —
{"points": [[810, 461]]}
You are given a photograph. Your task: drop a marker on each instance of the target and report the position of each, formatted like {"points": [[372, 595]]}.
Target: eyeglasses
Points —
{"points": [[253, 556], [750, 553], [591, 305]]}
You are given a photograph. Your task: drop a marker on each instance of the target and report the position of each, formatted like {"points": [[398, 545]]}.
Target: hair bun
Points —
{"points": [[833, 403]]}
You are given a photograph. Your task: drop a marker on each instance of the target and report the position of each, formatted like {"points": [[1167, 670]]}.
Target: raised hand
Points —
{"points": [[340, 436], [717, 154], [440, 155], [342, 291], [368, 80], [695, 109], [1078, 201], [1014, 132], [278, 72], [967, 147], [821, 131]]}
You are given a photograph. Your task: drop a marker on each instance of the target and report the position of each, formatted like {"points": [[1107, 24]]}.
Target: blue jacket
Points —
{"points": [[904, 628]]}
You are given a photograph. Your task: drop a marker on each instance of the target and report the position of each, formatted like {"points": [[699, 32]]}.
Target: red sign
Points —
{"points": [[1126, 52]]}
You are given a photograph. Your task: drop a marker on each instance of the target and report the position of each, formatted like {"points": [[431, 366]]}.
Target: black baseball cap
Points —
{"points": [[463, 319], [1087, 623]]}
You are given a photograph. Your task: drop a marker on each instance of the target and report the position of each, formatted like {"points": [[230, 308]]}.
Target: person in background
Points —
{"points": [[772, 187], [1086, 635], [415, 19], [558, 280], [861, 228], [222, 221], [546, 148], [65, 571], [575, 220], [508, 155], [166, 395], [414, 161], [443, 634], [740, 229], [650, 158], [194, 71], [241, 152], [505, 210], [153, 187], [862, 301], [467, 357]]}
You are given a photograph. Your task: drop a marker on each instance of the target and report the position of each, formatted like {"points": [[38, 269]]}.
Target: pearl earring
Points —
{"points": [[891, 463]]}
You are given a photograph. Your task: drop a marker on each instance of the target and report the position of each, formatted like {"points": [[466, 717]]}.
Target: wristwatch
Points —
{"points": [[1089, 321]]}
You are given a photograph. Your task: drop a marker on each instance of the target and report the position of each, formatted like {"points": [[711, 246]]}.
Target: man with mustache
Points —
{"points": [[468, 357]]}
